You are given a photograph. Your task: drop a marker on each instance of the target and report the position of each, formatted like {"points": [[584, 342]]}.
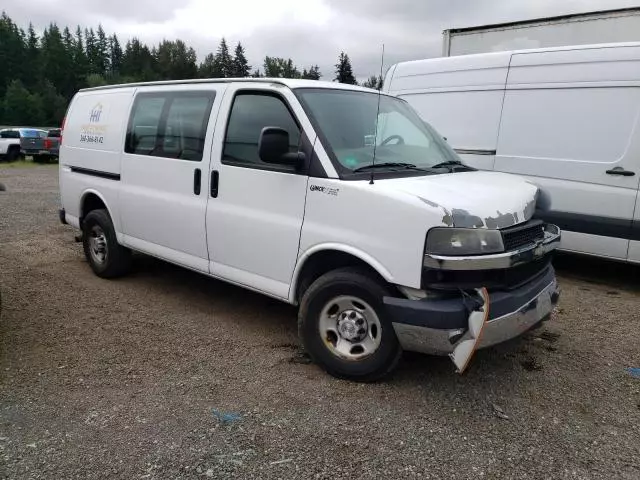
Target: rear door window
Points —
{"points": [[170, 125]]}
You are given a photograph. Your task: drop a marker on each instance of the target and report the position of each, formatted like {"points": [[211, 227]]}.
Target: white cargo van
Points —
{"points": [[568, 119], [327, 196]]}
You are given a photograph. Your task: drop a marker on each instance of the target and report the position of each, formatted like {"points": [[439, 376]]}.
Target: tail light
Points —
{"points": [[47, 144]]}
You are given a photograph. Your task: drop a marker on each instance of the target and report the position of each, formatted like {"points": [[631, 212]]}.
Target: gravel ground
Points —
{"points": [[169, 374]]}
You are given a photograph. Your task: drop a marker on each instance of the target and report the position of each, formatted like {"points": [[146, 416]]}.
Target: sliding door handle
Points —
{"points": [[620, 171], [215, 177], [197, 181]]}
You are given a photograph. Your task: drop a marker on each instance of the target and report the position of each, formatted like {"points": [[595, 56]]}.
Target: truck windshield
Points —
{"points": [[347, 119]]}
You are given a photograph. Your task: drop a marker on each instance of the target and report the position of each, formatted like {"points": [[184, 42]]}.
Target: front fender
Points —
{"points": [[365, 257]]}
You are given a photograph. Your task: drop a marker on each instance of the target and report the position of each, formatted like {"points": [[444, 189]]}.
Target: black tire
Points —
{"points": [[40, 159], [117, 259], [13, 154], [349, 282]]}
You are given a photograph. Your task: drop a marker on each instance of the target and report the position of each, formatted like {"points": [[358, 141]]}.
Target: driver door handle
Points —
{"points": [[197, 180], [215, 177], [620, 171]]}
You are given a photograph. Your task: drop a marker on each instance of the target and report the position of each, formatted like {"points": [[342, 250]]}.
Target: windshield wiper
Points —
{"points": [[452, 165], [405, 166]]}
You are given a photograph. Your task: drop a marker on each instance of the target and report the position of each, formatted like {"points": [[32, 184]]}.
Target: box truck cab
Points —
{"points": [[567, 119], [326, 196]]}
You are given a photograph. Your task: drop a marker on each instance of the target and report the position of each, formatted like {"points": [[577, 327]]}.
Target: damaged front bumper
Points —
{"points": [[435, 326]]}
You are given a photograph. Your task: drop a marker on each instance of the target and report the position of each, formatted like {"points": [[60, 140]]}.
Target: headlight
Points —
{"points": [[463, 241]]}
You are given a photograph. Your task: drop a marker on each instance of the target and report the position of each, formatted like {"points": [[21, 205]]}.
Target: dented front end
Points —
{"points": [[487, 274]]}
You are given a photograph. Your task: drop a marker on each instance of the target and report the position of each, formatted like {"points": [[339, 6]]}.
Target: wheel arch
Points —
{"points": [[92, 200], [321, 259]]}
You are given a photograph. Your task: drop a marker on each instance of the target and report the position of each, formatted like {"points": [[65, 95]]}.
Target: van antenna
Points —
{"points": [[375, 135]]}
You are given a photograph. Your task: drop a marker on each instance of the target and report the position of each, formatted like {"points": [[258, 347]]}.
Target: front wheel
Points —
{"points": [[344, 327], [108, 259]]}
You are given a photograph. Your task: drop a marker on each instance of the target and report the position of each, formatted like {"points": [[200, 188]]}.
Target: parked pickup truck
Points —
{"points": [[9, 145], [44, 147], [331, 197]]}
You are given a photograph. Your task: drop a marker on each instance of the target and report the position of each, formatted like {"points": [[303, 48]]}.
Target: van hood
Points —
{"points": [[473, 199]]}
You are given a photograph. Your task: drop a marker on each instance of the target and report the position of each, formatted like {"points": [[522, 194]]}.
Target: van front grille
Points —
{"points": [[522, 235]]}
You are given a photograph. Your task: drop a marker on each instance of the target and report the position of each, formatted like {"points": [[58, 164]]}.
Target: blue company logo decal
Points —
{"points": [[96, 113]]}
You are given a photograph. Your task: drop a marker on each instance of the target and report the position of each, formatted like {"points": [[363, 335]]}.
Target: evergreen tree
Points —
{"points": [[256, 74], [272, 68], [116, 54], [175, 61], [312, 74], [344, 72], [276, 67], [12, 53], [223, 61], [56, 61], [32, 60], [21, 108], [185, 62], [34, 111], [241, 67], [53, 104], [374, 82], [91, 46], [80, 61], [101, 61], [138, 62], [209, 68], [67, 40]]}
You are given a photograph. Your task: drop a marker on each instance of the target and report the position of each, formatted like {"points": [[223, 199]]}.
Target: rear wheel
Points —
{"points": [[108, 259], [344, 327], [13, 154]]}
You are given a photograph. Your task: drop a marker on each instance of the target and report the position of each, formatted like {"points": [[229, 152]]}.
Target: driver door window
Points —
{"points": [[250, 113]]}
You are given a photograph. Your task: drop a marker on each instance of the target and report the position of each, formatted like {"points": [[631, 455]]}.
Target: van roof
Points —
{"points": [[486, 60], [287, 82], [580, 16]]}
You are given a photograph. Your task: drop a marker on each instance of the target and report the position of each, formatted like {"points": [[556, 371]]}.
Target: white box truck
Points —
{"points": [[608, 26]]}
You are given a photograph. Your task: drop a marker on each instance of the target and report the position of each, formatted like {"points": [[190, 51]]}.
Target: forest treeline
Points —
{"points": [[40, 73]]}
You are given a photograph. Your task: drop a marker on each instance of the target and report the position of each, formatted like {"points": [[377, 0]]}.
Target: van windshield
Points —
{"points": [[346, 121]]}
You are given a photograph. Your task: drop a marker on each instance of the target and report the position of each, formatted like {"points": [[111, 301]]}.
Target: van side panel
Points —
{"points": [[469, 120], [570, 119], [95, 129], [93, 140], [461, 97]]}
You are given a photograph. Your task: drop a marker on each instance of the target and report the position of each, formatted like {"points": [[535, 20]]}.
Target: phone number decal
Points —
{"points": [[91, 139]]}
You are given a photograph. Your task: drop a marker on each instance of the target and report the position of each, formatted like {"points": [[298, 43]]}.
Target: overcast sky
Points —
{"points": [[308, 31]]}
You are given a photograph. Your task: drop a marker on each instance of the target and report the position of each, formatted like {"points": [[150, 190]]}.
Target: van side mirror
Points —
{"points": [[273, 147]]}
